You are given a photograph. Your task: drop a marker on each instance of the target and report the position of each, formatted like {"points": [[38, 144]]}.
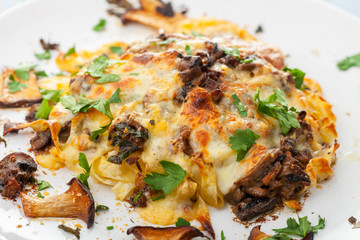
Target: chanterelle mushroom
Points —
{"points": [[76, 202], [174, 233]]}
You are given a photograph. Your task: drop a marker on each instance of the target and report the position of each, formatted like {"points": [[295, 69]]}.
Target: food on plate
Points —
{"points": [[76, 202], [199, 115], [16, 170], [175, 233]]}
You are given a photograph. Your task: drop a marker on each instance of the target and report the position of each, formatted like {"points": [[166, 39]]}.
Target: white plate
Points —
{"points": [[313, 34]]}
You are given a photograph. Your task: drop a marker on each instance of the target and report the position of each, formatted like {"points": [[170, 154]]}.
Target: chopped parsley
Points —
{"points": [[51, 95], [133, 74], [99, 208], [96, 69], [223, 235], [188, 50], [241, 141], [43, 56], [70, 51], [117, 50], [301, 228], [248, 60], [106, 78], [43, 111], [100, 26], [234, 52], [41, 74], [239, 105], [281, 112], [40, 195], [110, 227], [43, 185], [173, 176], [182, 222], [137, 196], [298, 76], [164, 43], [196, 34], [23, 70], [349, 62], [115, 98], [15, 86], [83, 162]]}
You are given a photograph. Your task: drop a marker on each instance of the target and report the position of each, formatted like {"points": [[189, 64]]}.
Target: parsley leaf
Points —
{"points": [[117, 50], [51, 95], [133, 74], [110, 227], [285, 116], [223, 235], [298, 76], [83, 162], [188, 50], [100, 26], [239, 105], [23, 70], [241, 141], [96, 133], [167, 181], [115, 98], [70, 51], [15, 86], [302, 228], [106, 78], [234, 52], [101, 208], [40, 195], [196, 34], [98, 66], [43, 56], [164, 43], [41, 74], [182, 222], [43, 111], [43, 185], [137, 196], [349, 62], [279, 236]]}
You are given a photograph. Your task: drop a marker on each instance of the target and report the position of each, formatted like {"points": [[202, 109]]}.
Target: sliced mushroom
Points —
{"points": [[174, 233], [256, 234], [76, 202]]}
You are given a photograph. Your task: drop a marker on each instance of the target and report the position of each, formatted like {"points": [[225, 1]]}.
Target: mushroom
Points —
{"points": [[256, 234], [174, 233], [76, 202]]}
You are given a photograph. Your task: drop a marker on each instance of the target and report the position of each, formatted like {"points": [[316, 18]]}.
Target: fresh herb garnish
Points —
{"points": [[248, 60], [241, 141], [23, 70], [110, 227], [281, 112], [297, 74], [15, 86], [99, 208], [43, 111], [182, 222], [96, 69], [300, 229], [234, 52], [133, 74], [115, 98], [100, 26], [43, 56], [70, 51], [196, 34], [223, 235], [173, 176], [137, 196], [239, 105], [41, 74], [51, 95], [188, 50], [83, 177], [349, 62], [164, 43], [43, 185], [40, 195], [117, 50]]}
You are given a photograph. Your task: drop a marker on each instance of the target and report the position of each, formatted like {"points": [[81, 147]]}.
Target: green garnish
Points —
{"points": [[40, 195], [117, 50], [110, 227], [133, 74], [182, 222], [349, 62], [164, 43], [223, 235], [100, 26], [115, 98], [106, 78], [234, 52], [298, 76], [281, 112], [188, 50], [299, 229], [137, 196], [43, 185], [83, 162], [248, 60], [41, 74], [43, 111], [99, 208], [43, 56], [239, 105], [173, 176], [196, 34], [96, 69], [241, 142], [70, 51], [51, 95], [23, 70], [15, 86]]}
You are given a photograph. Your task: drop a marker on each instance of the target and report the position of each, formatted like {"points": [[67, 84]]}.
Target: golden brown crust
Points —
{"points": [[174, 233]]}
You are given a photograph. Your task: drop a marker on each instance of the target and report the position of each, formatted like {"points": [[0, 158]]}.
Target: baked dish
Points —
{"points": [[201, 114]]}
